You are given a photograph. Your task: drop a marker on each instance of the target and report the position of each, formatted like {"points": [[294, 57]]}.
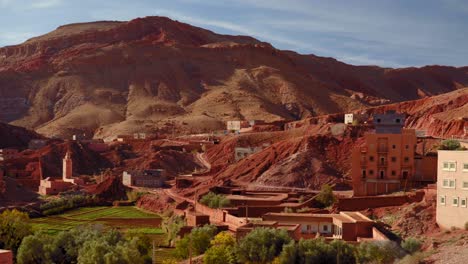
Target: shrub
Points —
{"points": [[172, 225], [288, 210], [318, 251], [213, 200], [222, 250], [450, 144], [86, 244], [378, 252], [198, 241], [262, 245], [133, 196], [62, 204], [411, 245], [14, 226], [326, 197]]}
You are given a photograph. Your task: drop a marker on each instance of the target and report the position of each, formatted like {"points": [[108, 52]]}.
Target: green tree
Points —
{"points": [[214, 200], [326, 197], [411, 245], [14, 226], [262, 245], [222, 250], [381, 252], [35, 249], [87, 244], [172, 225], [198, 241], [450, 144]]}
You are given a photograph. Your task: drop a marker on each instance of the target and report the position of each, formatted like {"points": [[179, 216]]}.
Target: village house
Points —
{"points": [[144, 178], [385, 163], [348, 226], [6, 256], [452, 189], [354, 119]]}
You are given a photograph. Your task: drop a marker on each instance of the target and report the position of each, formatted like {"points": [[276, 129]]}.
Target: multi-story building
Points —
{"points": [[145, 178], [385, 163], [452, 188]]}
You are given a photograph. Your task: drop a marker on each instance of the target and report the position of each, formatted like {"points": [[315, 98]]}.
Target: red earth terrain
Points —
{"points": [[153, 73]]}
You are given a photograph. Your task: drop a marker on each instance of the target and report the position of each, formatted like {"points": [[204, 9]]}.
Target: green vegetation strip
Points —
{"points": [[91, 215]]}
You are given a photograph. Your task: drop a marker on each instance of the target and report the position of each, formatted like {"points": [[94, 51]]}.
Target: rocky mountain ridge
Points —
{"points": [[156, 74]]}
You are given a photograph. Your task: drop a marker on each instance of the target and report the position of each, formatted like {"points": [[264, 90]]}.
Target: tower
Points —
{"points": [[67, 174]]}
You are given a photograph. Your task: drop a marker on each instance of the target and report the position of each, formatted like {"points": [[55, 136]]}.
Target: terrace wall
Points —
{"points": [[362, 203]]}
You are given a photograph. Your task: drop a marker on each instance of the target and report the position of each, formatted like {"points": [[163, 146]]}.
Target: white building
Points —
{"points": [[452, 189]]}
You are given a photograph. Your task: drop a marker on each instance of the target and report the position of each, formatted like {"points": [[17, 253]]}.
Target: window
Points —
{"points": [[442, 200], [398, 120], [382, 174], [405, 174], [393, 159], [363, 174], [371, 172], [455, 201], [465, 185], [449, 166], [445, 183], [463, 202], [406, 159], [393, 146], [448, 183], [393, 173], [371, 158], [465, 167], [325, 228], [378, 120], [452, 183], [407, 147]]}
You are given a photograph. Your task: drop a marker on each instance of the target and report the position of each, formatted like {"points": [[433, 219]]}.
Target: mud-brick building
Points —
{"points": [[347, 226], [144, 178], [385, 163]]}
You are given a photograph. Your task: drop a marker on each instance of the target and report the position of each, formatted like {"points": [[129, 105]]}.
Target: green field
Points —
{"points": [[116, 217], [125, 218]]}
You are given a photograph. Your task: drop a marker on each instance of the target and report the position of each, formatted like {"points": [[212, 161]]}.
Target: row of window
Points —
{"points": [[452, 183], [456, 201], [382, 173], [452, 166], [382, 159]]}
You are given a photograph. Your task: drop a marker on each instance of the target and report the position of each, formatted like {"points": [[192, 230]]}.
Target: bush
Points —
{"points": [[222, 250], [262, 245], [318, 251], [87, 244], [62, 204], [411, 245], [450, 144], [172, 225], [198, 241], [133, 196], [14, 227], [326, 197], [213, 200], [378, 252]]}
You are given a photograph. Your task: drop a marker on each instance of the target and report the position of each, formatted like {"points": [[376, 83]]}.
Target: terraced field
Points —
{"points": [[124, 218]]}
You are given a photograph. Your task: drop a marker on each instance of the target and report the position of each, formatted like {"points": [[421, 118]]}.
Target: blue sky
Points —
{"points": [[397, 33]]}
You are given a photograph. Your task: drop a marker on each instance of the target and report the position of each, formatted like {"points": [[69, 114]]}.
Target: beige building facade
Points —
{"points": [[452, 189]]}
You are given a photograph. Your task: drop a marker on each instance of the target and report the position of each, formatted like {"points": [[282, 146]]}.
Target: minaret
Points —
{"points": [[67, 175]]}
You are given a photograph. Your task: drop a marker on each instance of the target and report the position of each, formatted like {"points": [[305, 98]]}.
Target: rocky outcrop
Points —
{"points": [[155, 73]]}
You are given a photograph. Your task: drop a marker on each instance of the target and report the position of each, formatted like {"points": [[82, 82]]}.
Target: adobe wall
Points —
{"points": [[377, 235], [365, 202]]}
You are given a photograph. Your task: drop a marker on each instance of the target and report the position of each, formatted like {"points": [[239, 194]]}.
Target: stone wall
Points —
{"points": [[365, 202]]}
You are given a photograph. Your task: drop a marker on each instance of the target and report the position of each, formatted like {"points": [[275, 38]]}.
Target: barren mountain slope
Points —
{"points": [[121, 77]]}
